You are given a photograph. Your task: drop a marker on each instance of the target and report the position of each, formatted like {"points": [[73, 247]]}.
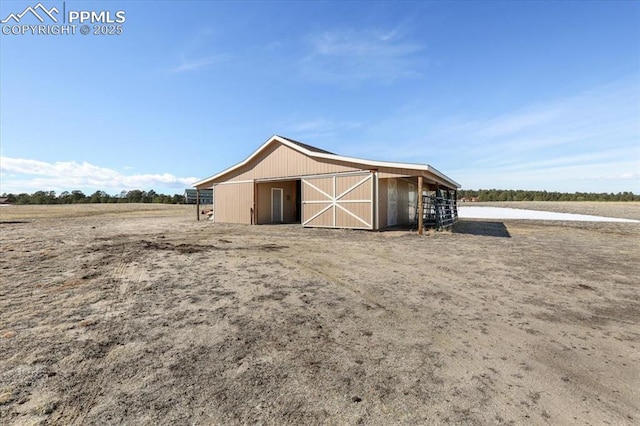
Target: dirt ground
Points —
{"points": [[143, 315]]}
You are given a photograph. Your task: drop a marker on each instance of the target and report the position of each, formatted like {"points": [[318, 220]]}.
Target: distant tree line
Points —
{"points": [[138, 196], [78, 197], [521, 195]]}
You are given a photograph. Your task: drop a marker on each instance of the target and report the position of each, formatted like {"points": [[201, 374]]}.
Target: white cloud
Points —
{"points": [[352, 57], [27, 175]]}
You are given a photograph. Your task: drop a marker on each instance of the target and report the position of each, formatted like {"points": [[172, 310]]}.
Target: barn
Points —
{"points": [[286, 181]]}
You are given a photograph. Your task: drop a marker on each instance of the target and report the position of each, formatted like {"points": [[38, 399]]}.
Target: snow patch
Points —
{"points": [[479, 212]]}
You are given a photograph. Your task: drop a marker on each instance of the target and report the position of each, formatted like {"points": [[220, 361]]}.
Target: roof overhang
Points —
{"points": [[372, 164]]}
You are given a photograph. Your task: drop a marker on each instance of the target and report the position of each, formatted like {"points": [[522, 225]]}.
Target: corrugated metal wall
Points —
{"points": [[233, 202], [340, 198], [429, 178], [263, 201], [279, 161]]}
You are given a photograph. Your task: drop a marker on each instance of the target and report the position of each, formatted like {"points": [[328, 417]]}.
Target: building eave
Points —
{"points": [[333, 157]]}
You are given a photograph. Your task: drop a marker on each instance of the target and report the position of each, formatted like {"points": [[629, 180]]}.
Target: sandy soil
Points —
{"points": [[150, 317]]}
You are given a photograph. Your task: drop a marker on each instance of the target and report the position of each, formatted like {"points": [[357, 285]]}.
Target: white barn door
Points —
{"points": [[338, 201]]}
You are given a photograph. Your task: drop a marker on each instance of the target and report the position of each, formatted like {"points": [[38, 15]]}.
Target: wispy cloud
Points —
{"points": [[593, 136], [317, 129], [197, 51], [590, 121], [589, 141], [594, 177], [27, 175], [352, 57], [196, 64]]}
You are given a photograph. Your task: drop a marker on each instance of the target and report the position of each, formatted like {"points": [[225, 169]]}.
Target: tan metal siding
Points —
{"points": [[288, 203], [233, 203], [312, 215], [361, 211], [318, 189], [429, 178], [361, 192], [324, 220], [342, 199], [351, 184], [280, 161], [387, 172]]}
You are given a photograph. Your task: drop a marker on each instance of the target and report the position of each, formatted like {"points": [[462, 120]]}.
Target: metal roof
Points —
{"points": [[320, 153], [307, 147]]}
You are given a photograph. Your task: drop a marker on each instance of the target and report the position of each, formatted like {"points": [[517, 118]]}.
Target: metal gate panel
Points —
{"points": [[338, 201]]}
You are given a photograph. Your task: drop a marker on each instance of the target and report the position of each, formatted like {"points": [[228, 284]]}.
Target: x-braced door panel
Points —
{"points": [[338, 201]]}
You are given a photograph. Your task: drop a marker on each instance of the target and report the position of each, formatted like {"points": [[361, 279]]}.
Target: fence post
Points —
{"points": [[420, 207], [198, 204]]}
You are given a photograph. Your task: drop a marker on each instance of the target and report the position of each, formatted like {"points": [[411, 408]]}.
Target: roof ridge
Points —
{"points": [[307, 146], [312, 151]]}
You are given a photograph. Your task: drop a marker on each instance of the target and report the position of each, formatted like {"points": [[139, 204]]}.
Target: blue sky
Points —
{"points": [[514, 95]]}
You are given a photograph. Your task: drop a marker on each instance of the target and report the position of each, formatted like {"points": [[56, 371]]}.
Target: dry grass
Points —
{"points": [[32, 212]]}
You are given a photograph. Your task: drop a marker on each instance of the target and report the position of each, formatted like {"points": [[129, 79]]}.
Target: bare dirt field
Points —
{"points": [[125, 314]]}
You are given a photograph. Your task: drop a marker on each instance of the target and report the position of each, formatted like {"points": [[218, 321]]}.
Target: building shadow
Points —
{"points": [[481, 227]]}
